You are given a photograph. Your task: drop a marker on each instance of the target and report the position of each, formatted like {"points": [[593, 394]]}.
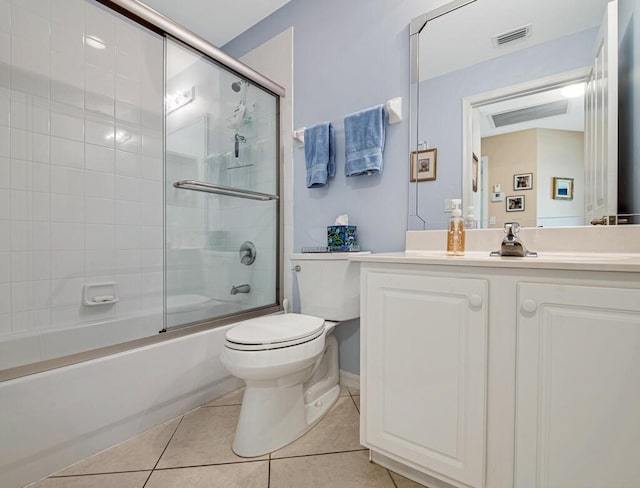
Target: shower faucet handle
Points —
{"points": [[247, 253]]}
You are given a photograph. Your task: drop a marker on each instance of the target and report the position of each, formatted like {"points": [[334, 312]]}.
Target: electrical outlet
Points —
{"points": [[492, 220], [448, 206]]}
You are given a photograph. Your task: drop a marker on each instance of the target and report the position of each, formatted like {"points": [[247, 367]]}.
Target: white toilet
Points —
{"points": [[289, 362]]}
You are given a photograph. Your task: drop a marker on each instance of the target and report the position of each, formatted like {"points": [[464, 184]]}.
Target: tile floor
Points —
{"points": [[194, 451]]}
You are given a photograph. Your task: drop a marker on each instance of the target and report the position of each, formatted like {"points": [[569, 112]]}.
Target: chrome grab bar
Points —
{"points": [[223, 190]]}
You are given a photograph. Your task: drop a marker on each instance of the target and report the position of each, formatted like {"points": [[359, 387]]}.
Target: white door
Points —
{"points": [[578, 387], [424, 358], [601, 122]]}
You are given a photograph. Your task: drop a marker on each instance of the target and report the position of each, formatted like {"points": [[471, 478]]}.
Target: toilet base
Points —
{"points": [[253, 439], [274, 416]]}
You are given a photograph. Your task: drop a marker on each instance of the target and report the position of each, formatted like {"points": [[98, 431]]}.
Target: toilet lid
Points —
{"points": [[275, 329]]}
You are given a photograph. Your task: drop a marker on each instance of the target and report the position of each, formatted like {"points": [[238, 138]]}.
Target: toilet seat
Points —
{"points": [[274, 332]]}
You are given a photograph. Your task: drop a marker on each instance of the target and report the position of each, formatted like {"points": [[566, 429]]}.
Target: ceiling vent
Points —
{"points": [[530, 113], [512, 35]]}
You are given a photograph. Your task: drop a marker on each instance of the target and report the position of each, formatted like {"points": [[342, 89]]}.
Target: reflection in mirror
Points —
{"points": [[525, 141], [499, 91]]}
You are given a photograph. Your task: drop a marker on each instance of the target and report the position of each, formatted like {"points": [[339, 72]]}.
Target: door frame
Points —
{"points": [[501, 94]]}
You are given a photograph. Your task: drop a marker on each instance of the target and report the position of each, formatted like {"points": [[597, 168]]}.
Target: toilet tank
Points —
{"points": [[329, 285]]}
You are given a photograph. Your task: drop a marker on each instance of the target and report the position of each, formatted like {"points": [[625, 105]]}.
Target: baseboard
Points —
{"points": [[349, 380], [407, 472]]}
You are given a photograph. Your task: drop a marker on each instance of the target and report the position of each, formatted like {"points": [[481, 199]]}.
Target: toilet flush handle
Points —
{"points": [[296, 268]]}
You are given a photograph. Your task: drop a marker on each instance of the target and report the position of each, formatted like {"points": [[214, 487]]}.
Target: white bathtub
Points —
{"points": [[185, 309], [17, 350], [53, 419]]}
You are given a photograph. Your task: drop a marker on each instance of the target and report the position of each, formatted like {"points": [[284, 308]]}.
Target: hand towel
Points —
{"points": [[364, 134], [319, 154]]}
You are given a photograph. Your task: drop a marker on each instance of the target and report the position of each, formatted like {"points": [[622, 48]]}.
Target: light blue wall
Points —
{"points": [[348, 56], [443, 95]]}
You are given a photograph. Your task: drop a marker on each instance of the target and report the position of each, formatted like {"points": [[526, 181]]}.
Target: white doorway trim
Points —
{"points": [[499, 95]]}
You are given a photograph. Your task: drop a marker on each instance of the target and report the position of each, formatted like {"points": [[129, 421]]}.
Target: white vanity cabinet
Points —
{"points": [[578, 386], [499, 376], [424, 351]]}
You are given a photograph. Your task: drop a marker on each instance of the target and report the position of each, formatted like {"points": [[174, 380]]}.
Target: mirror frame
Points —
{"points": [[415, 27]]}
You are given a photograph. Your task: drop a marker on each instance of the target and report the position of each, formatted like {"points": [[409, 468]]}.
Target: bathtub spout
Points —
{"points": [[240, 289]]}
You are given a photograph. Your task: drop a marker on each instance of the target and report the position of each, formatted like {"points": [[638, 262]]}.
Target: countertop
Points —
{"points": [[584, 261]]}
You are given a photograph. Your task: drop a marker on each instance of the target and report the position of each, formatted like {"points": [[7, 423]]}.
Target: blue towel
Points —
{"points": [[364, 133], [319, 154]]}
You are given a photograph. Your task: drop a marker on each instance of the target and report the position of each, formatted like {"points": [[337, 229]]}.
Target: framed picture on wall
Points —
{"points": [[423, 165], [523, 181], [515, 203], [562, 188], [474, 173]]}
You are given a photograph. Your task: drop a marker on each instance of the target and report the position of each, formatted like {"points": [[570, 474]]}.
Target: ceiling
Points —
{"points": [[572, 120], [217, 21], [463, 37]]}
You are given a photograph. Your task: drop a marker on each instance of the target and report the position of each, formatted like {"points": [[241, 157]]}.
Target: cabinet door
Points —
{"points": [[424, 357], [578, 387]]}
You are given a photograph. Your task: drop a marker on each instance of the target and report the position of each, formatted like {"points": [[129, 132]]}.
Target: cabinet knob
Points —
{"points": [[475, 300], [529, 305]]}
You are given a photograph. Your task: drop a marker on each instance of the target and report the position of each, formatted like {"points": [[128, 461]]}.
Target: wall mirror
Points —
{"points": [[518, 97]]}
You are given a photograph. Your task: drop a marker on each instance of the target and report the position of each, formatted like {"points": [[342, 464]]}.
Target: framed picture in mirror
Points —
{"points": [[423, 165], [562, 188], [523, 181], [515, 203]]}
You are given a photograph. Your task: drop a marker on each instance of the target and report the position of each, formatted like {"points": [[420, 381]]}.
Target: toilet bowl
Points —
{"points": [[289, 362]]}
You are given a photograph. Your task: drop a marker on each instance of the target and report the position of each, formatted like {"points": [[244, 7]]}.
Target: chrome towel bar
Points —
{"points": [[194, 185]]}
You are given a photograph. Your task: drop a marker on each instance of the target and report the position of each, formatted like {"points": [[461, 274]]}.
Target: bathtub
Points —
{"points": [[185, 309], [53, 419], [17, 350]]}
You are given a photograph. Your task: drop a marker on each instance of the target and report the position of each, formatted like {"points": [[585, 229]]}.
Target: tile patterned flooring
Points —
{"points": [[194, 451]]}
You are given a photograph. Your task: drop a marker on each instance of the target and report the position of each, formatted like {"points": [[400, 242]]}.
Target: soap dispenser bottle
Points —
{"points": [[455, 236]]}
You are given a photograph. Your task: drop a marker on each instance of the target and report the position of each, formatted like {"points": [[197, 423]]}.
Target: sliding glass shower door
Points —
{"points": [[221, 183]]}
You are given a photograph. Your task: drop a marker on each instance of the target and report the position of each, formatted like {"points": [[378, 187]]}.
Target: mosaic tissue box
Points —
{"points": [[342, 238]]}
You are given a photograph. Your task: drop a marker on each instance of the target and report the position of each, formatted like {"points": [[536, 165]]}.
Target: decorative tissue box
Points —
{"points": [[342, 238]]}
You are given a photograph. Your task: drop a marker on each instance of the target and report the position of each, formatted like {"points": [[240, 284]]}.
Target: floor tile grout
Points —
{"points": [[163, 451], [231, 463], [319, 454], [100, 473], [355, 404], [392, 480], [218, 406], [269, 472]]}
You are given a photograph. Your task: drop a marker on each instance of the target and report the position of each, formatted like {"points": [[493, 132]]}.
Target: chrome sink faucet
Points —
{"points": [[512, 245]]}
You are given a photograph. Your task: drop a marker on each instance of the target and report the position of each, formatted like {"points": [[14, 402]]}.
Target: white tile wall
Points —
{"points": [[80, 200]]}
